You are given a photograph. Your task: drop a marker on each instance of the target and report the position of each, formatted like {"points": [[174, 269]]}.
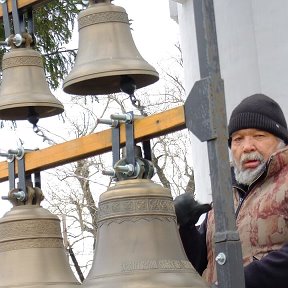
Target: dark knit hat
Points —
{"points": [[260, 112]]}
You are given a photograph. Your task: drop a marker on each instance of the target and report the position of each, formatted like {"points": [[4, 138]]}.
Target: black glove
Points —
{"points": [[188, 210]]}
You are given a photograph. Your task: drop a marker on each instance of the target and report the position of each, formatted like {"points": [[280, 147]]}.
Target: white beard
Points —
{"points": [[247, 176]]}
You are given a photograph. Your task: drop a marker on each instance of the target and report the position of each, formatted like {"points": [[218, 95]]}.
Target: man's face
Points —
{"points": [[250, 149]]}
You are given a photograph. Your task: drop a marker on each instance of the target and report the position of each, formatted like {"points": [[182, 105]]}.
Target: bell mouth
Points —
{"points": [[21, 111], [93, 82]]}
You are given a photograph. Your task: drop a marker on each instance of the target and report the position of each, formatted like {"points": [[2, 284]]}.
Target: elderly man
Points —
{"points": [[257, 138]]}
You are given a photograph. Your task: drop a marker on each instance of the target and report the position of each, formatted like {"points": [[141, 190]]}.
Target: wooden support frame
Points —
{"points": [[22, 4], [97, 143]]}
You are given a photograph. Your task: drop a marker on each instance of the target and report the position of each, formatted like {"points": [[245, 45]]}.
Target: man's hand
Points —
{"points": [[188, 210]]}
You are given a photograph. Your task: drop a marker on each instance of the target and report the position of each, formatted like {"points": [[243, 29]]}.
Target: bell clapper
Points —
{"points": [[127, 85], [33, 116]]}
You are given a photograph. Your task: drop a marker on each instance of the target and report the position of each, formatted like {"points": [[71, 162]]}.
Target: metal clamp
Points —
{"points": [[115, 141], [20, 195], [143, 169], [10, 157], [110, 173], [126, 118], [112, 123], [129, 167], [16, 38], [19, 154], [12, 154], [132, 165]]}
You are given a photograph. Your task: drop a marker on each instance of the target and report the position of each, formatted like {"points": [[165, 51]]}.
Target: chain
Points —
{"points": [[137, 104], [40, 133]]}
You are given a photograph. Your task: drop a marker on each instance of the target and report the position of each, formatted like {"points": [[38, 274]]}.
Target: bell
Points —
{"points": [[107, 53], [24, 90], [31, 248], [138, 244]]}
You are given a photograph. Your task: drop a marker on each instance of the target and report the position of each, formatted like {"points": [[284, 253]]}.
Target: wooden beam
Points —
{"points": [[23, 4], [97, 143]]}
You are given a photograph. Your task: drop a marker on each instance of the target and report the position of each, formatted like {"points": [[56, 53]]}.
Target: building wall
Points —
{"points": [[253, 50]]}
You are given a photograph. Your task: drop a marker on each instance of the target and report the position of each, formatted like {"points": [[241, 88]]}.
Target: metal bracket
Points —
{"points": [[11, 173], [23, 178], [130, 142], [128, 120], [128, 167], [199, 107], [18, 21], [21, 175], [116, 143], [7, 28]]}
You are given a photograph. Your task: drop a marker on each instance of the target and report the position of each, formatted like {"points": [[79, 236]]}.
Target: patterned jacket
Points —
{"points": [[261, 215], [262, 222]]}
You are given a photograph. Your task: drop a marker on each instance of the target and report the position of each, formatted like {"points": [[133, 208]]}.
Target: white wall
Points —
{"points": [[253, 49]]}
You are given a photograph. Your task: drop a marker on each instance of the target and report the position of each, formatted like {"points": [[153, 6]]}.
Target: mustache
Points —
{"points": [[251, 156]]}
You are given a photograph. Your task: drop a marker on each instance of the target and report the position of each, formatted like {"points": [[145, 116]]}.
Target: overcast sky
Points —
{"points": [[154, 34]]}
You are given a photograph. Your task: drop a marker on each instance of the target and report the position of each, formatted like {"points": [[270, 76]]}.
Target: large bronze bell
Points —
{"points": [[31, 247], [138, 244], [106, 53], [24, 91]]}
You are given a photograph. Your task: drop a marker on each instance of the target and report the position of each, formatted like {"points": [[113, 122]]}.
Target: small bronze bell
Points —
{"points": [[24, 91], [138, 244], [106, 53], [31, 247]]}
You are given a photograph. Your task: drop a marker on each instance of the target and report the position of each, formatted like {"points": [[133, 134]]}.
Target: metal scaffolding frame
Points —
{"points": [[204, 114]]}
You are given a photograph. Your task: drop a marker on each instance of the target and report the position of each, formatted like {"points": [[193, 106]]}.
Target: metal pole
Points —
{"points": [[205, 112], [130, 142], [15, 16], [6, 20]]}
